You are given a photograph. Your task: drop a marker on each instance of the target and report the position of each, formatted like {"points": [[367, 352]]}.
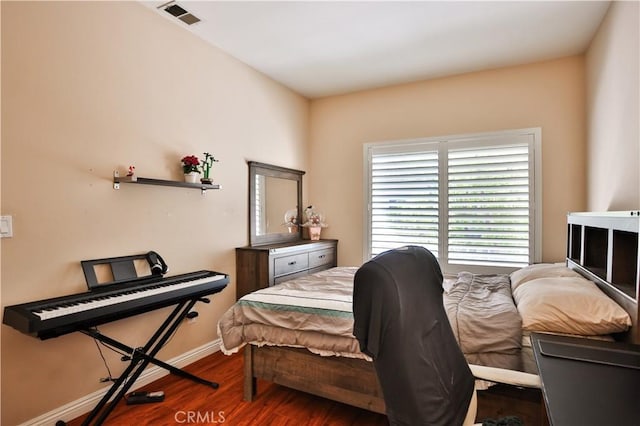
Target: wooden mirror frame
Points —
{"points": [[269, 170]]}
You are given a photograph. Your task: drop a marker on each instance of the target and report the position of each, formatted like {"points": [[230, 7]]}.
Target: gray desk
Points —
{"points": [[588, 382]]}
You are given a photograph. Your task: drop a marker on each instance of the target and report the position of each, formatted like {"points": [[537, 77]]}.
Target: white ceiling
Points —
{"points": [[321, 48]]}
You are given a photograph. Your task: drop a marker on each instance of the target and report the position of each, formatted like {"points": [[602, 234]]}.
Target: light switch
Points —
{"points": [[6, 226]]}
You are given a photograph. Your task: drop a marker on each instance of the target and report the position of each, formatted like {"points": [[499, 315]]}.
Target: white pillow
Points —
{"points": [[571, 305], [540, 270]]}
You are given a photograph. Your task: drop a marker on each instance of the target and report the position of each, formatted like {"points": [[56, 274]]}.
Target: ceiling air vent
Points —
{"points": [[180, 13]]}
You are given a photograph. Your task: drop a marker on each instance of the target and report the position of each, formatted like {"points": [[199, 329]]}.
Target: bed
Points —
{"points": [[307, 321], [288, 328]]}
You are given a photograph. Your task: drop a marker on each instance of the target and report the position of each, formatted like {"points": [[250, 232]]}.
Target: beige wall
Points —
{"points": [[98, 86], [613, 93], [549, 95], [92, 87]]}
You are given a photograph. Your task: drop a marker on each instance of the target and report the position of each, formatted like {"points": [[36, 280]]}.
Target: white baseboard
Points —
{"points": [[85, 404]]}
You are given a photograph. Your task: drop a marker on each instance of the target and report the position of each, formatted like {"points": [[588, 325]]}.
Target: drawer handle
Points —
{"points": [[292, 263], [322, 256]]}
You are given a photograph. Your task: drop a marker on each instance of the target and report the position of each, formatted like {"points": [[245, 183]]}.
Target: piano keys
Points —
{"points": [[61, 315]]}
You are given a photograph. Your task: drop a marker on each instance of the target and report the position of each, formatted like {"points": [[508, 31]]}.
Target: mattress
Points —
{"points": [[315, 312]]}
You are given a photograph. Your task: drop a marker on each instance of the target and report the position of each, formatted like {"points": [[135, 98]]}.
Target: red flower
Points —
{"points": [[190, 163], [191, 160]]}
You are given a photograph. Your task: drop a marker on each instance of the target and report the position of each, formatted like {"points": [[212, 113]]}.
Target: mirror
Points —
{"points": [[275, 200]]}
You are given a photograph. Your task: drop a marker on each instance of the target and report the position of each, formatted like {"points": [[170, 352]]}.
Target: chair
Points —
{"points": [[400, 321]]}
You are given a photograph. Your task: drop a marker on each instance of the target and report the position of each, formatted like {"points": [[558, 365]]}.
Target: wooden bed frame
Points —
{"points": [[348, 380], [354, 382]]}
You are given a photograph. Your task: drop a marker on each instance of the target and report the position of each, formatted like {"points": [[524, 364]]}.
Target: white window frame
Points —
{"points": [[443, 145]]}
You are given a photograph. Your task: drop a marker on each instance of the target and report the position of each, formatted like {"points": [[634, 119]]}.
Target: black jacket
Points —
{"points": [[401, 323]]}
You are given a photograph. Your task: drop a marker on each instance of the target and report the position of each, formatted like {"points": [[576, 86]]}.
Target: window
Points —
{"points": [[472, 200], [261, 216]]}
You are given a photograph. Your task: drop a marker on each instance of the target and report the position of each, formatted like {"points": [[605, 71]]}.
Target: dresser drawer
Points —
{"points": [[290, 264], [266, 265], [321, 257]]}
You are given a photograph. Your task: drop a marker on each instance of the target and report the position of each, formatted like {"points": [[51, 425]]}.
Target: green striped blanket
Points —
{"points": [[313, 311]]}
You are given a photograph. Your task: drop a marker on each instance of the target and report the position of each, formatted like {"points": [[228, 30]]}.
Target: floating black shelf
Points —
{"points": [[117, 180]]}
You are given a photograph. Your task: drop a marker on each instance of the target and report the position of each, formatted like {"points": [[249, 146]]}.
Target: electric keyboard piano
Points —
{"points": [[126, 295], [61, 315]]}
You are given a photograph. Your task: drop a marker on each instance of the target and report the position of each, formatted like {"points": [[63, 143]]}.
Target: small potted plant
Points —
{"points": [[191, 168], [315, 222], [207, 163]]}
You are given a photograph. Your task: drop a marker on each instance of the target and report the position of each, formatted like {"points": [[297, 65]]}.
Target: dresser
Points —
{"points": [[266, 265]]}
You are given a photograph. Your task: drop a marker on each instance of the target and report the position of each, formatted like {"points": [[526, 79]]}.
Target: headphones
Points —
{"points": [[156, 263]]}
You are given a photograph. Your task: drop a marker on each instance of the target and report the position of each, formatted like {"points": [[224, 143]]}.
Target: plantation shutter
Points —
{"points": [[489, 205], [404, 200], [472, 200]]}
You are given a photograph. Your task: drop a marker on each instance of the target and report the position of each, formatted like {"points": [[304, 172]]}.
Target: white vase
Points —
{"points": [[191, 177]]}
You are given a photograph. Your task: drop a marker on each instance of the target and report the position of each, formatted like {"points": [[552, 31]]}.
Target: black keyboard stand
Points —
{"points": [[140, 359]]}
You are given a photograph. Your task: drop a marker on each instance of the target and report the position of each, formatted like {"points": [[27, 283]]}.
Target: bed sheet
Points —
{"points": [[315, 312]]}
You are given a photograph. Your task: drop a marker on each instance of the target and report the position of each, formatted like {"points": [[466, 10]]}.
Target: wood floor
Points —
{"points": [[190, 403], [274, 405]]}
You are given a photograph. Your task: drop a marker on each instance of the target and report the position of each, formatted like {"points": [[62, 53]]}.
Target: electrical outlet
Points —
{"points": [[6, 226]]}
